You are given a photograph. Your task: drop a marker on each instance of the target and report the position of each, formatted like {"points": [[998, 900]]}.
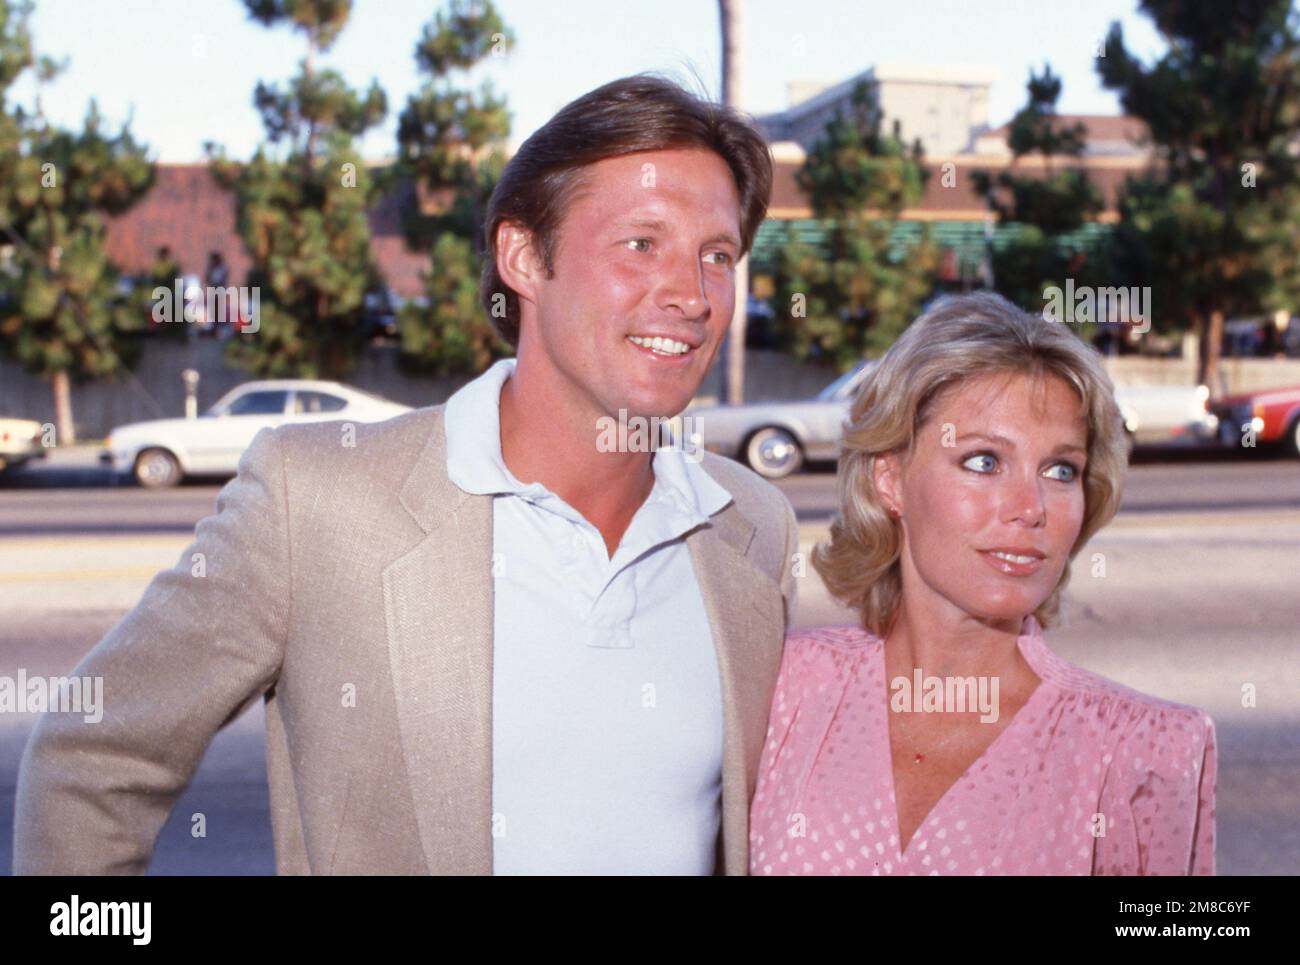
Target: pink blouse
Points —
{"points": [[1089, 777]]}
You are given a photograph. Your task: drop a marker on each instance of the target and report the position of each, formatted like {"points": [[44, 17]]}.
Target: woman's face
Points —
{"points": [[998, 467]]}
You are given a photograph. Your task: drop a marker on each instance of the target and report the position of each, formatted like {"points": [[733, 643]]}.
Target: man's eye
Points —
{"points": [[726, 257], [638, 241], [975, 458], [1071, 471]]}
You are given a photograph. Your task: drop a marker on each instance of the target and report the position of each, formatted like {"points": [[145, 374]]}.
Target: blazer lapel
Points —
{"points": [[438, 607], [748, 624]]}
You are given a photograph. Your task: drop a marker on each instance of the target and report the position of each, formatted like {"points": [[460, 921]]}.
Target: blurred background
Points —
{"points": [[268, 211]]}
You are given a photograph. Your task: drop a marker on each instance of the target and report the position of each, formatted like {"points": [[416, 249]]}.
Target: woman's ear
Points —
{"points": [[885, 473]]}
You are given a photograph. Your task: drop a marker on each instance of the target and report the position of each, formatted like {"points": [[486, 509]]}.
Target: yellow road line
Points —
{"points": [[66, 576], [91, 542]]}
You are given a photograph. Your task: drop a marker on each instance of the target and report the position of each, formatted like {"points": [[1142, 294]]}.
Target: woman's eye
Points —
{"points": [[988, 461], [637, 241], [1071, 472]]}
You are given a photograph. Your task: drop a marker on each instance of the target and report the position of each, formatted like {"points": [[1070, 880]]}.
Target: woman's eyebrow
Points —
{"points": [[1003, 440]]}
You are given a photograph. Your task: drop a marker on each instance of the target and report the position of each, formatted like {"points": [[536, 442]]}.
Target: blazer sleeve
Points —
{"points": [[206, 638]]}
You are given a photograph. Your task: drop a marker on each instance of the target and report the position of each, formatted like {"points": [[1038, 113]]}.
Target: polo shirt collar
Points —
{"points": [[474, 462]]}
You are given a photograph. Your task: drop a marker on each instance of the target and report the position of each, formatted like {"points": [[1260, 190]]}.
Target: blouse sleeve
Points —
{"points": [[1161, 797], [786, 699], [811, 674]]}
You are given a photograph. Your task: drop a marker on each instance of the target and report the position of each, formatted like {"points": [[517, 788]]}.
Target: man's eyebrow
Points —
{"points": [[1003, 440], [656, 225]]}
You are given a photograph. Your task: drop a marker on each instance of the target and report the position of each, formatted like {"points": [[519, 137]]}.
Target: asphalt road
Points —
{"points": [[72, 495], [1200, 597]]}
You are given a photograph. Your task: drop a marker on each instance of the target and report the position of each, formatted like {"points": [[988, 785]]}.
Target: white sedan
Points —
{"points": [[163, 451]]}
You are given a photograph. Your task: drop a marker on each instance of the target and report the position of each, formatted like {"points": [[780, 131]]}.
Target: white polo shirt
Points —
{"points": [[606, 701]]}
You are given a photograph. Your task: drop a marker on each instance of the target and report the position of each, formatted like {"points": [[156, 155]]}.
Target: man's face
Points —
{"points": [[997, 466], [647, 250]]}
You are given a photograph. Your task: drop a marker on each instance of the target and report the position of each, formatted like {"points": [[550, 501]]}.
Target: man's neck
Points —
{"points": [[545, 443]]}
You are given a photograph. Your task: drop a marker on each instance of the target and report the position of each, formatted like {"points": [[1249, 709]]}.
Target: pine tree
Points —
{"points": [[853, 295], [63, 314], [451, 147], [302, 213], [1044, 209], [1206, 226]]}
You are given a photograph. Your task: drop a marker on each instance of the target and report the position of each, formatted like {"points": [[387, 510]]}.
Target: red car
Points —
{"points": [[1273, 414]]}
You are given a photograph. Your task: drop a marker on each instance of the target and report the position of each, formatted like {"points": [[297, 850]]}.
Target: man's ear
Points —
{"points": [[518, 261]]}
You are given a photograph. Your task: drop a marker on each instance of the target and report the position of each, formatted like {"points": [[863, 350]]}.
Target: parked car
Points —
{"points": [[775, 438], [1160, 413], [162, 452], [1273, 415], [20, 440]]}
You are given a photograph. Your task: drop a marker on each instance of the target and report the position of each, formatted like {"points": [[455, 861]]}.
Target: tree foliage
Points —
{"points": [[1046, 207], [1211, 227], [853, 295], [63, 312], [302, 205], [451, 148]]}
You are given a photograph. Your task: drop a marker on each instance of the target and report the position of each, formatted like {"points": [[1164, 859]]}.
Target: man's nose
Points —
{"points": [[682, 286]]}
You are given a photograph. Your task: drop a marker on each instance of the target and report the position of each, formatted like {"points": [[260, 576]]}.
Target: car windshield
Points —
{"points": [[840, 386], [370, 395]]}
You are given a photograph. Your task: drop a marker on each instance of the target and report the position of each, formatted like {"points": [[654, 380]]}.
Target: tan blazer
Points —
{"points": [[348, 581]]}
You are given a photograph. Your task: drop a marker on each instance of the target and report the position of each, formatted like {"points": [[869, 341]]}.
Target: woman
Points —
{"points": [[941, 736]]}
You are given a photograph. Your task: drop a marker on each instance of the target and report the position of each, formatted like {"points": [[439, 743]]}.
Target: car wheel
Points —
{"points": [[156, 469], [773, 453], [1293, 438]]}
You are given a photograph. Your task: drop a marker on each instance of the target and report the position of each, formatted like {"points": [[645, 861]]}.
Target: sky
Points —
{"points": [[183, 71]]}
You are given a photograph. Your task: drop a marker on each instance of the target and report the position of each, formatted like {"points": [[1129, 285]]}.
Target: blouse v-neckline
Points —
{"points": [[1034, 651]]}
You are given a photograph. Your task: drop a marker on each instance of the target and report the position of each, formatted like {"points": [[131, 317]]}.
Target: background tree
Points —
{"points": [[732, 25], [1203, 227], [451, 150], [1045, 210], [63, 313], [853, 296], [303, 212]]}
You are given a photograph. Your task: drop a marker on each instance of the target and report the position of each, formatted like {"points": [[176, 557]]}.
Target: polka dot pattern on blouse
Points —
{"points": [[1089, 776]]}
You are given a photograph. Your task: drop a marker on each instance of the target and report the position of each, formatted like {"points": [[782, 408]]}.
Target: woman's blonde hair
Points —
{"points": [[959, 338]]}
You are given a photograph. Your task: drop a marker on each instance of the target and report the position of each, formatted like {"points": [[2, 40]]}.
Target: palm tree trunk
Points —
{"points": [[733, 34], [64, 433], [1211, 339]]}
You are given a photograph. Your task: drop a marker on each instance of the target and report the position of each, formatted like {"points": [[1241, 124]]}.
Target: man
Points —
{"points": [[488, 640]]}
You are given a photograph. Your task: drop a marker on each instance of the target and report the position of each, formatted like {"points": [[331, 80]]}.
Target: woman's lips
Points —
{"points": [[1009, 568]]}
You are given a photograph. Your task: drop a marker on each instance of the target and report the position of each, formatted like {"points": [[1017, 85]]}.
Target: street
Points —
{"points": [[1200, 598]]}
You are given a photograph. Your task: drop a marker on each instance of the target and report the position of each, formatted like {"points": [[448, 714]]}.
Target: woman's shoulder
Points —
{"points": [[825, 651], [846, 636], [1124, 708], [847, 639]]}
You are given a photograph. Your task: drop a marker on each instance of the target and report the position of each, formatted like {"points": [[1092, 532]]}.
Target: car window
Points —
{"points": [[309, 402], [259, 403], [841, 386]]}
